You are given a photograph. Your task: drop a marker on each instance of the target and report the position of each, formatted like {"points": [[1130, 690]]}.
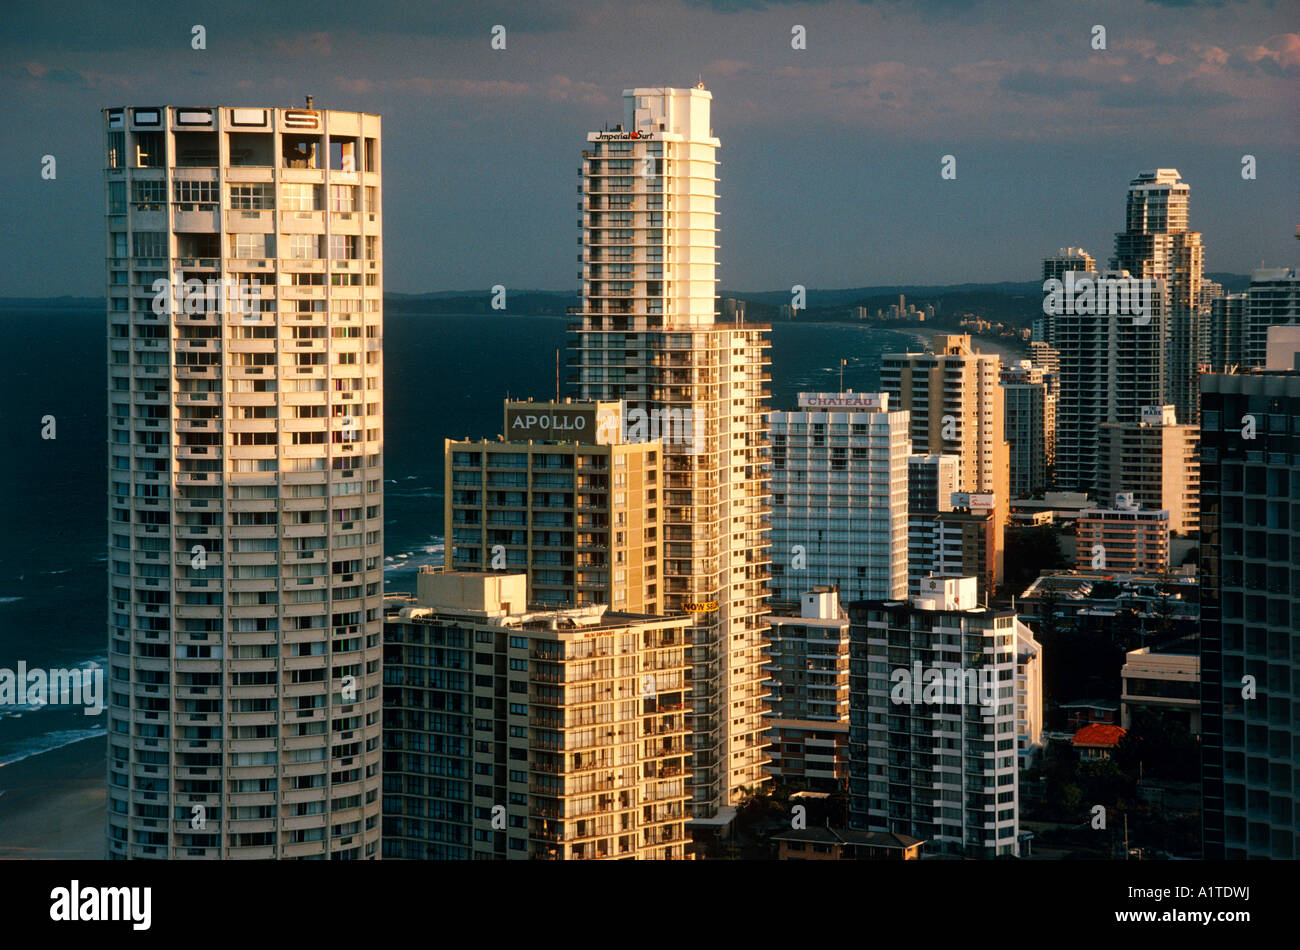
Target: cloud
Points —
{"points": [[306, 44], [554, 88], [1276, 56], [38, 73], [1039, 81]]}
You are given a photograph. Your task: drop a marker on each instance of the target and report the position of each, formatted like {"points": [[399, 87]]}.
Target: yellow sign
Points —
{"points": [[702, 607]]}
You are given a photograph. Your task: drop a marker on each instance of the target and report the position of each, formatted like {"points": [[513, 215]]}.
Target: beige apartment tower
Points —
{"points": [[546, 734], [646, 335], [566, 501], [957, 407], [245, 482], [1155, 460]]}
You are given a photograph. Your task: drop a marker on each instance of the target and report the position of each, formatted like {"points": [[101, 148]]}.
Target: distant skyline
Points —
{"points": [[830, 155]]}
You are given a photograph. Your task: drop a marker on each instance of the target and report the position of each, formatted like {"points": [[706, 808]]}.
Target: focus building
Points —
{"points": [[245, 482], [646, 335]]}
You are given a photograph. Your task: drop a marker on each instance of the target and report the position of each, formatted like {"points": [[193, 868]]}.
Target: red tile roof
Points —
{"points": [[1098, 734]]}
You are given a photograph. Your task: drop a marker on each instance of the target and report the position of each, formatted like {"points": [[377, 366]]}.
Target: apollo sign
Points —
{"points": [[571, 425]]}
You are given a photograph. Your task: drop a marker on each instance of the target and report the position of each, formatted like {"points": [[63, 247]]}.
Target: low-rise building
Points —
{"points": [[840, 844], [1123, 538], [1097, 741], [1166, 683]]}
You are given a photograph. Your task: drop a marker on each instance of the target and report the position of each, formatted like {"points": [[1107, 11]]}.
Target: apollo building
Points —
{"points": [[245, 482]]}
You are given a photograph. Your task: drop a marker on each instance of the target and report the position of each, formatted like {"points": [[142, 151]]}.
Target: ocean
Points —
{"points": [[446, 377]]}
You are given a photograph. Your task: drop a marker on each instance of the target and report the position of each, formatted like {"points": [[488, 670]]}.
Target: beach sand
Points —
{"points": [[52, 804]]}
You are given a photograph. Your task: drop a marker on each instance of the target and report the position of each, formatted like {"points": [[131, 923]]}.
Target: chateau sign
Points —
{"points": [[843, 400]]}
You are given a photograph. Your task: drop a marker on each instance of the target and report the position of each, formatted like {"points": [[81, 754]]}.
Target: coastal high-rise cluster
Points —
{"points": [[245, 482], [660, 594]]}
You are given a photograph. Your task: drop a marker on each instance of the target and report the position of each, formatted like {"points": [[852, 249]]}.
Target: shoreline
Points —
{"points": [[52, 803]]}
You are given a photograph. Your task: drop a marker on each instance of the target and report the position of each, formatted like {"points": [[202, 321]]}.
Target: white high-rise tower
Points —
{"points": [[245, 483], [647, 335], [1157, 245]]}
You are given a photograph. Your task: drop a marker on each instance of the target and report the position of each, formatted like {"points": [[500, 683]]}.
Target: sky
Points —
{"points": [[830, 158]]}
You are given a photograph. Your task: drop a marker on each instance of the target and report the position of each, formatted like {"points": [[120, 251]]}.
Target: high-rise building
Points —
{"points": [[646, 335], [1125, 538], [931, 481], [1273, 299], [1112, 364], [1227, 333], [1029, 400], [1156, 244], [565, 499], [1154, 461], [513, 733], [1065, 260], [809, 670], [245, 483], [933, 720], [1045, 357], [839, 497], [956, 409], [1029, 696], [961, 538], [1250, 605]]}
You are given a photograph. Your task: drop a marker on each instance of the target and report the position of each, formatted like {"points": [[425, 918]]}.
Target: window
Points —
{"points": [[117, 197], [149, 150], [343, 197], [148, 195], [304, 247], [252, 245], [300, 197], [149, 244], [252, 197], [195, 192], [343, 247], [116, 157]]}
